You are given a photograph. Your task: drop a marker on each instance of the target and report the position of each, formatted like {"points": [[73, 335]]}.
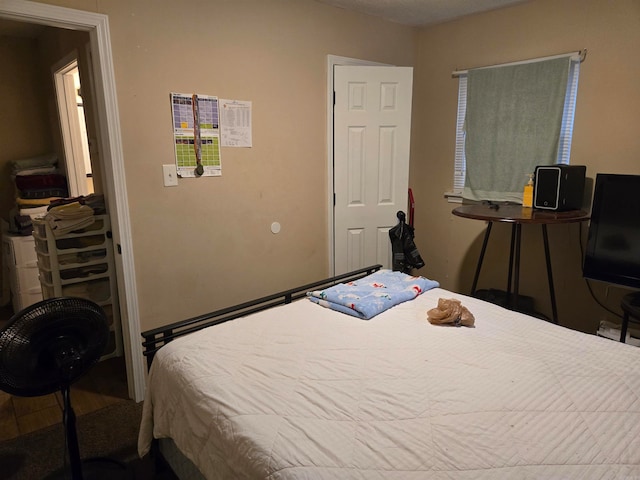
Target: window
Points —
{"points": [[566, 130]]}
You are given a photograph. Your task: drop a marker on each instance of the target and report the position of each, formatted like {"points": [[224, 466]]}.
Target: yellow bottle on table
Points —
{"points": [[527, 196]]}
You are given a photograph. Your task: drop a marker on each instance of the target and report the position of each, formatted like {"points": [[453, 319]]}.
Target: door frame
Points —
{"points": [[332, 61], [110, 142], [73, 142]]}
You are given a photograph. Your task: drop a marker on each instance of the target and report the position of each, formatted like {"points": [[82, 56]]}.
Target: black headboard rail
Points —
{"points": [[158, 337]]}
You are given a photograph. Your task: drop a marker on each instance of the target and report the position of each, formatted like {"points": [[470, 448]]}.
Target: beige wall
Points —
{"points": [[605, 138], [207, 243], [24, 126], [24, 130]]}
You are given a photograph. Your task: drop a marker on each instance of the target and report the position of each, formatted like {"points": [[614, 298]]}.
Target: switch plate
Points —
{"points": [[170, 174]]}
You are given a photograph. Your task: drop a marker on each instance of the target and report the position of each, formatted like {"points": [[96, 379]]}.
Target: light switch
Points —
{"points": [[170, 174]]}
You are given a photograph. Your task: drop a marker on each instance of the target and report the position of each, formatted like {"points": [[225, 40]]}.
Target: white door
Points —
{"points": [[372, 127]]}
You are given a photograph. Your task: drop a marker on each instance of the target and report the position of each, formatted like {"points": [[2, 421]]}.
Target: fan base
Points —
{"points": [[97, 469]]}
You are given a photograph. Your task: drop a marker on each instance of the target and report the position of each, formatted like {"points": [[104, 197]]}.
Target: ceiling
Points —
{"points": [[406, 12], [420, 12]]}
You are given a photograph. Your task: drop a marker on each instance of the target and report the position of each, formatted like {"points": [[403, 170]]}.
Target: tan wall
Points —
{"points": [[207, 243], [605, 138], [24, 130]]}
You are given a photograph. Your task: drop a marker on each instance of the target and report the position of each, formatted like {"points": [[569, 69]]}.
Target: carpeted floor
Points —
{"points": [[111, 432]]}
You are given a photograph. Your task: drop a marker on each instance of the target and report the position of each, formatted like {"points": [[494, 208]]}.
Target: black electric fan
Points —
{"points": [[44, 349]]}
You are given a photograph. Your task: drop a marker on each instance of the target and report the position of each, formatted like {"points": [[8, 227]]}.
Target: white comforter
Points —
{"points": [[304, 392]]}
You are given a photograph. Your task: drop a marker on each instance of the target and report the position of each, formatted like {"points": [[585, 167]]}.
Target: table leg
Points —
{"points": [[623, 329], [630, 309], [510, 275], [482, 251], [547, 256], [516, 274]]}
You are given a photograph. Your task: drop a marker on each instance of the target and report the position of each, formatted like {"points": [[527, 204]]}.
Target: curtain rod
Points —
{"points": [[580, 54]]}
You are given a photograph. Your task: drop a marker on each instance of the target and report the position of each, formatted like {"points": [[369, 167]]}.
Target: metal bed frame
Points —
{"points": [[158, 337]]}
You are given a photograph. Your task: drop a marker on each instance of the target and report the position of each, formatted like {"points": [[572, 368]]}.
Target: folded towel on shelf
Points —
{"points": [[41, 161], [373, 294], [21, 225], [35, 171], [94, 200], [33, 212], [67, 218], [35, 202], [38, 194]]}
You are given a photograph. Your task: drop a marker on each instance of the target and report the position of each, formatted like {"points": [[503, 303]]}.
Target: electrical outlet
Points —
{"points": [[170, 174]]}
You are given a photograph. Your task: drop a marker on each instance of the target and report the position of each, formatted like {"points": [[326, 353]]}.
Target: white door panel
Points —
{"points": [[372, 123]]}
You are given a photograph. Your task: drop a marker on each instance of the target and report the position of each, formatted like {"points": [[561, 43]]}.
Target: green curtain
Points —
{"points": [[514, 115]]}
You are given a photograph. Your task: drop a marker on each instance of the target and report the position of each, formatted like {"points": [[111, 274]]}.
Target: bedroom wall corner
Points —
{"points": [[605, 139], [207, 243]]}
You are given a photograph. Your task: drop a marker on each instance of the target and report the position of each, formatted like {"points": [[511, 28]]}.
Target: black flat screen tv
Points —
{"points": [[613, 245]]}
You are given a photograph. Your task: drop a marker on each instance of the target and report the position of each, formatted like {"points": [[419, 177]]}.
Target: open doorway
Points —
{"points": [[109, 145], [73, 127]]}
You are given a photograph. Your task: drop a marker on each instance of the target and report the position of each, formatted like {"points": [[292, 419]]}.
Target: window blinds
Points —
{"points": [[460, 161], [566, 133]]}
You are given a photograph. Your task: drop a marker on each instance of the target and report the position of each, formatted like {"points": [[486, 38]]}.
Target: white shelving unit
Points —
{"points": [[80, 264], [19, 260]]}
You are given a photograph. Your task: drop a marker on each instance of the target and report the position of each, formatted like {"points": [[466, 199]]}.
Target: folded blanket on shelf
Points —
{"points": [[33, 212], [42, 186], [34, 202], [373, 294], [43, 193]]}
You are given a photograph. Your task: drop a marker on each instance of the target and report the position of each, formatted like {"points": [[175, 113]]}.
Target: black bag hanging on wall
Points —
{"points": [[405, 252]]}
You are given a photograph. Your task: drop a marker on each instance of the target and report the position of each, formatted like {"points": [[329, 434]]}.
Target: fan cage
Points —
{"points": [[51, 343]]}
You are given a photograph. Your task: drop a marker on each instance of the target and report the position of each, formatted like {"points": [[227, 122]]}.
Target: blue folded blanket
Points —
{"points": [[373, 294]]}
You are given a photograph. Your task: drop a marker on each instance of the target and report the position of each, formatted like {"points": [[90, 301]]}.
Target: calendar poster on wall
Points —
{"points": [[196, 135]]}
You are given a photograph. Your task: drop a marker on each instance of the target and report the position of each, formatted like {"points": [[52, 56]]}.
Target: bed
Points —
{"points": [[282, 388]]}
